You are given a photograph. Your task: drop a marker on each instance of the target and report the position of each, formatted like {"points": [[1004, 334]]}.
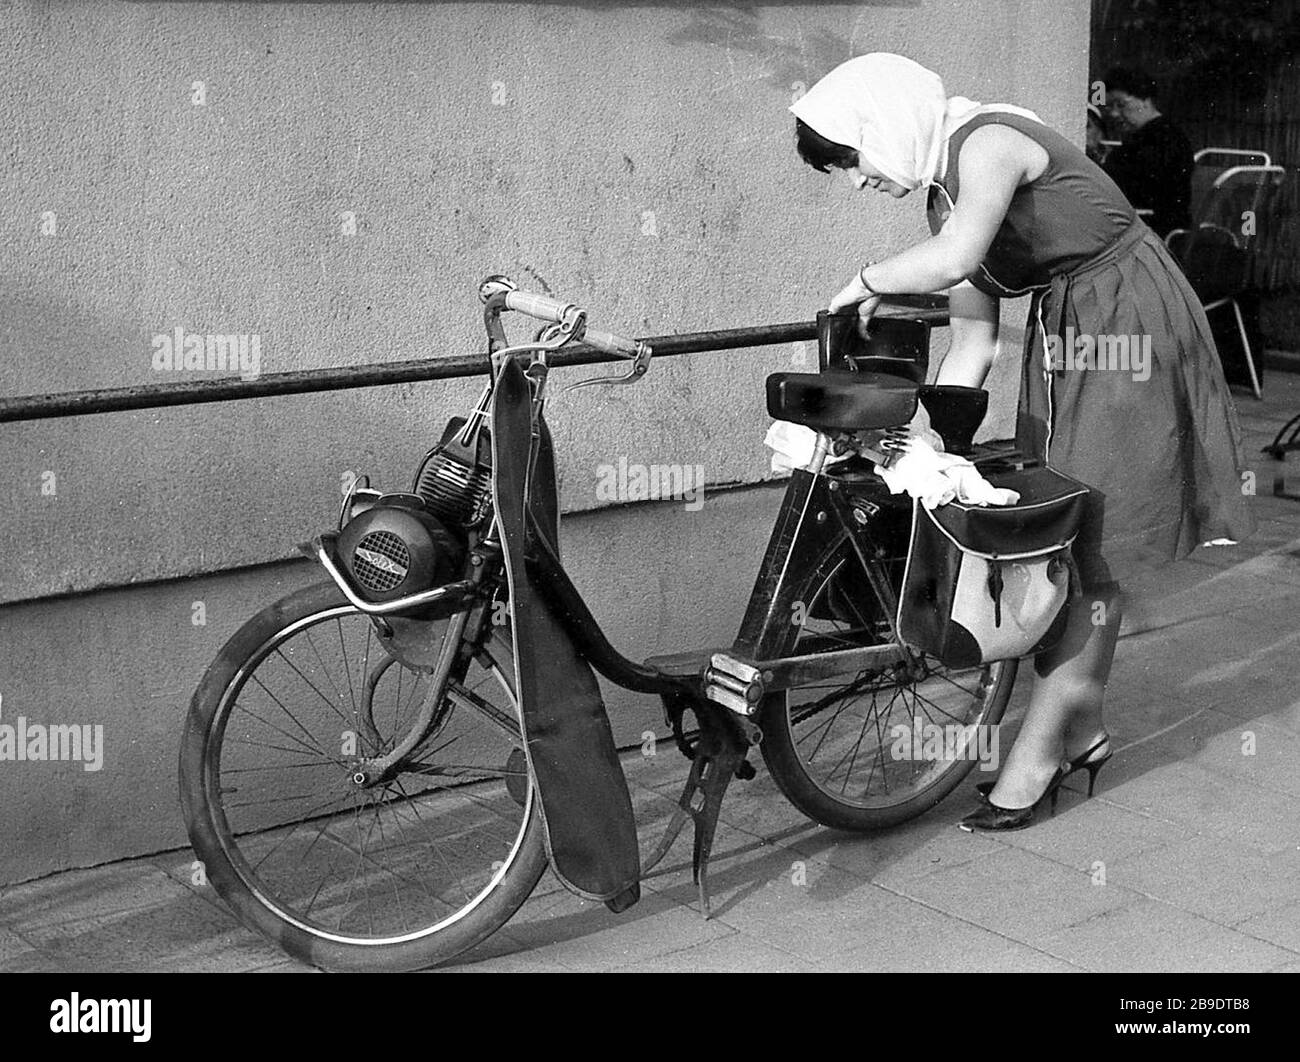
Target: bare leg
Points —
{"points": [[1087, 726], [1064, 718]]}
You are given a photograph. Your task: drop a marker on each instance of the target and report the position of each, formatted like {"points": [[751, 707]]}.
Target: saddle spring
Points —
{"points": [[883, 447]]}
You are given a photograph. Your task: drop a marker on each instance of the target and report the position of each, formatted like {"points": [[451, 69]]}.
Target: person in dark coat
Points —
{"points": [[1153, 163]]}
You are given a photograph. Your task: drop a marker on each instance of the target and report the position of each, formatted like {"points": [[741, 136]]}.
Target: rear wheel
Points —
{"points": [[857, 752], [395, 876]]}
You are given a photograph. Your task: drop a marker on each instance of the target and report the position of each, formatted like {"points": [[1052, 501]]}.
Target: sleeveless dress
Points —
{"points": [[1162, 452]]}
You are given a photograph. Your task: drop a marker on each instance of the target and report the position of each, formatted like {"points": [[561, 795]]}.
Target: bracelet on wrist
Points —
{"points": [[862, 276]]}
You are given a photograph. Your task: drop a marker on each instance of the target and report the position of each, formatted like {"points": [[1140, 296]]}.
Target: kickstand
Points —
{"points": [[717, 758]]}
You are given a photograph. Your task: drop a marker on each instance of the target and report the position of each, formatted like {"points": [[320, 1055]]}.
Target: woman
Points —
{"points": [[1017, 209]]}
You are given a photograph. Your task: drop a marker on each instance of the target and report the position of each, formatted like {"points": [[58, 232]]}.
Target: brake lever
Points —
{"points": [[640, 365], [549, 339]]}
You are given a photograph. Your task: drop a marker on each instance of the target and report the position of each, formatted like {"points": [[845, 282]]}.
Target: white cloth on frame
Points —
{"points": [[792, 446], [937, 478]]}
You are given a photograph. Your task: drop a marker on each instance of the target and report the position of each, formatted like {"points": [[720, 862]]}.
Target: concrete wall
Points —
{"points": [[335, 179]]}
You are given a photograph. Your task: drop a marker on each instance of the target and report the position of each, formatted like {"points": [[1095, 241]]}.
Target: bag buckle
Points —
{"points": [[995, 589]]}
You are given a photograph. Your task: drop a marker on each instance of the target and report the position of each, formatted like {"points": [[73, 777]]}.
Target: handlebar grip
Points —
{"points": [[610, 342], [542, 307]]}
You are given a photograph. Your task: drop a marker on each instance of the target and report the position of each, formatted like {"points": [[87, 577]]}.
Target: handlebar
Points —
{"points": [[555, 311], [611, 342], [543, 307]]}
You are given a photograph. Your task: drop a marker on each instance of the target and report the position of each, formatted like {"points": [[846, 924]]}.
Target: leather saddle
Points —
{"points": [[841, 401]]}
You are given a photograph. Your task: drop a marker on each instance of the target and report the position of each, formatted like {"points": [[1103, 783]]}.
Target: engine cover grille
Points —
{"points": [[380, 561]]}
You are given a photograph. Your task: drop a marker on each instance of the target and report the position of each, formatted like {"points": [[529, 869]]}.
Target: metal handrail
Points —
{"points": [[931, 308]]}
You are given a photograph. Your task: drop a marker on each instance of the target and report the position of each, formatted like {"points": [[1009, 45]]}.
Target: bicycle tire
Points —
{"points": [[231, 875], [789, 767]]}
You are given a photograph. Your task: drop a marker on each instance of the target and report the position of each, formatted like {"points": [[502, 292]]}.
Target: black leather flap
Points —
{"points": [[1048, 514]]}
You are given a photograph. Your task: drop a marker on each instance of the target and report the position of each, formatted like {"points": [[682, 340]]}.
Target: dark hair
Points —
{"points": [[1132, 82], [820, 153]]}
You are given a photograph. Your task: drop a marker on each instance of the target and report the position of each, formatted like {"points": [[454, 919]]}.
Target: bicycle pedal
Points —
{"points": [[733, 684]]}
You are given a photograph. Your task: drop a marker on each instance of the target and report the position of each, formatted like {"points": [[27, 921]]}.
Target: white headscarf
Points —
{"points": [[894, 112]]}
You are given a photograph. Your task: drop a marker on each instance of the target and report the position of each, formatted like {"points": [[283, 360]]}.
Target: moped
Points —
{"points": [[377, 770]]}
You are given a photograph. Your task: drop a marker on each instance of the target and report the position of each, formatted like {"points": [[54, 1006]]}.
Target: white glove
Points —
{"points": [[937, 479], [974, 489]]}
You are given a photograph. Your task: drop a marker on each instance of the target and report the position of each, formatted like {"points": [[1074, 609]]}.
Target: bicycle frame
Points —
{"points": [[722, 687], [814, 512]]}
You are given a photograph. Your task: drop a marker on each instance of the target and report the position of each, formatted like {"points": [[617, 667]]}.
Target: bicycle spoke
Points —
{"points": [[281, 748], [311, 642], [313, 686], [347, 668], [286, 711], [397, 893], [274, 766], [853, 752], [356, 872], [270, 802], [437, 851], [942, 711], [397, 701], [324, 824]]}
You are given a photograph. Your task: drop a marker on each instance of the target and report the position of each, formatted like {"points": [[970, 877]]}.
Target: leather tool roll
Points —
{"points": [[586, 809]]}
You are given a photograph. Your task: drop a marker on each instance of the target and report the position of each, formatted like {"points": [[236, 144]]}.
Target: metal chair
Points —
{"points": [[1211, 163], [1215, 252]]}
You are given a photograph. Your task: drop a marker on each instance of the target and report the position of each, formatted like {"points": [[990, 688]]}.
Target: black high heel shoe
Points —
{"points": [[1085, 761], [992, 817]]}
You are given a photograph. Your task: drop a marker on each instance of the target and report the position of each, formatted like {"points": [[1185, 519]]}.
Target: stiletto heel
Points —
{"points": [[1092, 763], [1093, 769]]}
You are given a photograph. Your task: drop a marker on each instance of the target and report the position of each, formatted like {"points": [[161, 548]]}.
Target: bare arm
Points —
{"points": [[974, 320], [995, 161]]}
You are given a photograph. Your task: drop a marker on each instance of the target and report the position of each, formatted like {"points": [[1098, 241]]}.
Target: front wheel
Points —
{"points": [[872, 750], [395, 876]]}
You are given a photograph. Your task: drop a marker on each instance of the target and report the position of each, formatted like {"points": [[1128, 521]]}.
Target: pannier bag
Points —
{"points": [[986, 583]]}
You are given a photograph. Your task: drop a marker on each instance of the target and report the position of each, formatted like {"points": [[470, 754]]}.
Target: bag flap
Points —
{"points": [[1047, 516]]}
